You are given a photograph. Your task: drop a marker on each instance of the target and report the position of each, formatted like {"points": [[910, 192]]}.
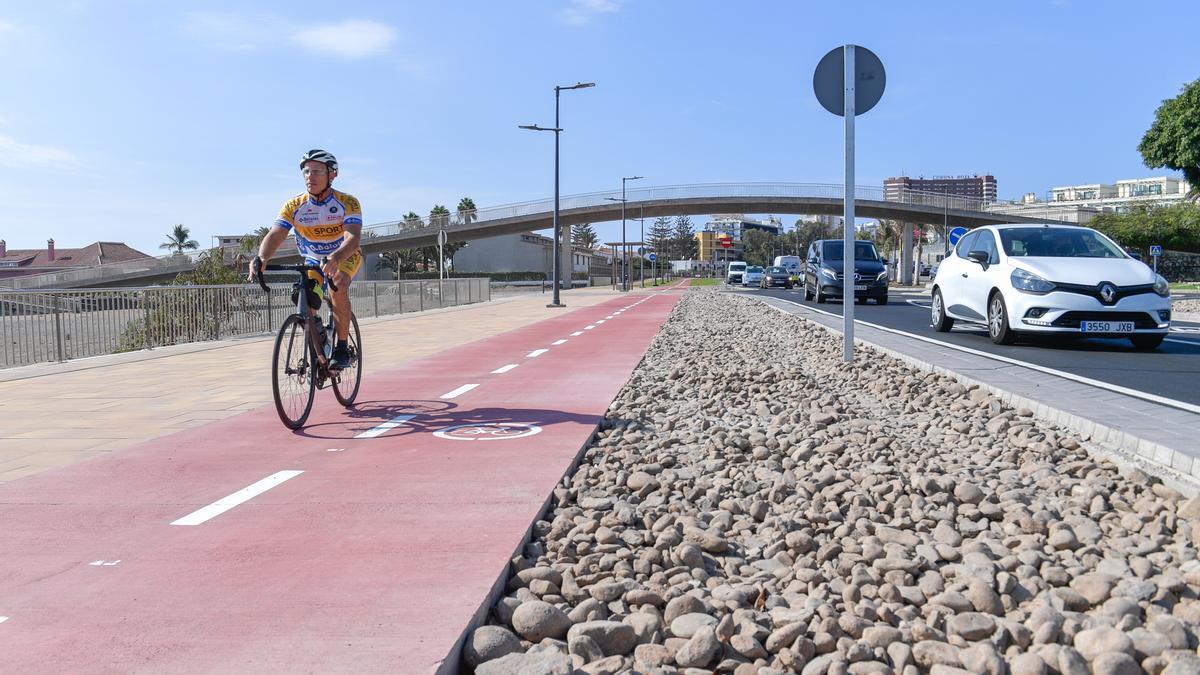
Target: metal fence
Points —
{"points": [[59, 325]]}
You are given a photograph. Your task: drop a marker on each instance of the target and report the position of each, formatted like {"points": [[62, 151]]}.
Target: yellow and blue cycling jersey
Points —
{"points": [[319, 224]]}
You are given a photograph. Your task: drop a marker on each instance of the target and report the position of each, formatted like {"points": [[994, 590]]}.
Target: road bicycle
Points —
{"points": [[303, 346]]}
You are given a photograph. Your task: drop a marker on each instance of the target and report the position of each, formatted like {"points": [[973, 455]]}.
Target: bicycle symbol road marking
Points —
{"points": [[501, 431]]}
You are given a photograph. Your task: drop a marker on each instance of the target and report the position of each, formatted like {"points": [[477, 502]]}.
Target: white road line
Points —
{"points": [[3, 619], [460, 391], [601, 321], [386, 426], [504, 369], [559, 342], [241, 496], [104, 563], [609, 316], [1153, 398], [577, 333], [588, 327], [335, 450], [536, 353]]}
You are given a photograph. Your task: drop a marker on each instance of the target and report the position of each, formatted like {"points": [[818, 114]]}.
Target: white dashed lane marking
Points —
{"points": [[504, 369], [559, 342], [460, 391], [588, 327], [577, 333], [536, 353], [386, 426], [241, 496]]}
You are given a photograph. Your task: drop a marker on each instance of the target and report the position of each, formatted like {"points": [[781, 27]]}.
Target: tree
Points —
{"points": [[1173, 140], [758, 247], [412, 221], [683, 239], [584, 236], [250, 242], [400, 261], [180, 240], [660, 236], [439, 216], [808, 231], [1175, 227], [467, 212]]}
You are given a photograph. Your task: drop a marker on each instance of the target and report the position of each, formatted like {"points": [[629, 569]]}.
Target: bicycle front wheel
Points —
{"points": [[347, 381], [293, 377]]}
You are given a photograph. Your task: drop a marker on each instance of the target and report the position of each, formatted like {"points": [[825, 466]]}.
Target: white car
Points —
{"points": [[753, 276], [1062, 280]]}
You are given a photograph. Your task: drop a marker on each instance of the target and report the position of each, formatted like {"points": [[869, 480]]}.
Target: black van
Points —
{"points": [[823, 276]]}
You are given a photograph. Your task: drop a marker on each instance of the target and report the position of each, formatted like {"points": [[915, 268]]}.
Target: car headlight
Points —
{"points": [[882, 275], [1029, 282], [1161, 286], [829, 273]]}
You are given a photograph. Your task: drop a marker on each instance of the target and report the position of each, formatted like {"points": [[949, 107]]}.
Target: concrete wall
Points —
{"points": [[506, 253]]}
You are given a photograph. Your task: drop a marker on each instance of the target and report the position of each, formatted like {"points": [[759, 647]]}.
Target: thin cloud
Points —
{"points": [[350, 39], [19, 155], [582, 12], [6, 26]]}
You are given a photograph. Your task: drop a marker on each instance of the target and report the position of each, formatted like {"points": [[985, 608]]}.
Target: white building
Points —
{"points": [[1081, 203]]}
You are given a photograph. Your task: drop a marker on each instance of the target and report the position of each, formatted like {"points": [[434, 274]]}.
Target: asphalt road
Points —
{"points": [[1170, 371]]}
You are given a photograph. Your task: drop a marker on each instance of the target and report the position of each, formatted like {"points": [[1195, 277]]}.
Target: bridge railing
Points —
{"points": [[59, 325], [181, 262]]}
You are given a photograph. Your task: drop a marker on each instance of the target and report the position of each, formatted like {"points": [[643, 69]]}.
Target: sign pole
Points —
{"points": [[848, 275]]}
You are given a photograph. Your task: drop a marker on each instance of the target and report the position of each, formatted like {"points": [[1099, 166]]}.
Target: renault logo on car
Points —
{"points": [[1108, 293]]}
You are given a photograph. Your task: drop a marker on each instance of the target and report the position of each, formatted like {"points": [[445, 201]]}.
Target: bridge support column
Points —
{"points": [[906, 255], [566, 259]]}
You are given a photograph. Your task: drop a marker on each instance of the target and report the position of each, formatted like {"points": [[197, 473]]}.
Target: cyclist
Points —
{"points": [[328, 227]]}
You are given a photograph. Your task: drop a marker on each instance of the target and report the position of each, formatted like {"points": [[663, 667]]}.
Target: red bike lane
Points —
{"points": [[372, 539]]}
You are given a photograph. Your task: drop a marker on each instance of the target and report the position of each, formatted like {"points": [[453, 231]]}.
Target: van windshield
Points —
{"points": [[863, 250]]}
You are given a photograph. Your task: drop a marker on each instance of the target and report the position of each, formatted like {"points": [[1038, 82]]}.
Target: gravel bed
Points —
{"points": [[1191, 306], [753, 505]]}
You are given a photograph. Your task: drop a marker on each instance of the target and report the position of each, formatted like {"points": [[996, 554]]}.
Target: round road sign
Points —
{"points": [[829, 81], [956, 234], [726, 242]]}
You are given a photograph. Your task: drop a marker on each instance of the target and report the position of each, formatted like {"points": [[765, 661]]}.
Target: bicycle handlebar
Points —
{"points": [[301, 269]]}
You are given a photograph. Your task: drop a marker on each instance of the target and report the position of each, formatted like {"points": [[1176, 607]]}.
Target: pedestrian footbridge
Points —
{"points": [[594, 207]]}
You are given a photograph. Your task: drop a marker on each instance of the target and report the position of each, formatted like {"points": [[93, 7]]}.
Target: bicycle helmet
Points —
{"points": [[318, 155]]}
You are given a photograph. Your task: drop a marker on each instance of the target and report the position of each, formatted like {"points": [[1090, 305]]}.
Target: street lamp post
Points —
{"points": [[557, 128], [624, 240]]}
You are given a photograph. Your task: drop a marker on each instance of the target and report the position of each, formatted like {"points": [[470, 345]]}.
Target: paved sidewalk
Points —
{"points": [[56, 414]]}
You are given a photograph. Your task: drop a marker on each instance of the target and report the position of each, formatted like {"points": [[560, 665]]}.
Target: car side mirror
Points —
{"points": [[980, 257]]}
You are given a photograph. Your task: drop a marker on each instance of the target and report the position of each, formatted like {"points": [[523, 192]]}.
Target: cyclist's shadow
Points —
{"points": [[430, 416]]}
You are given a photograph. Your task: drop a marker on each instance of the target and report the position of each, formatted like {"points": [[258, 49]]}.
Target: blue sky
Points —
{"points": [[119, 119]]}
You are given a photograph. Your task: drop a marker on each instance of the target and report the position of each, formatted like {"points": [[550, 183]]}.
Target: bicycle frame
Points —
{"points": [[306, 313]]}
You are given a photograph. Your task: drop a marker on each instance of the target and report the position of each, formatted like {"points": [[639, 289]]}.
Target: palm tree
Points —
{"points": [[467, 212], [179, 240], [251, 241], [439, 216], [412, 221]]}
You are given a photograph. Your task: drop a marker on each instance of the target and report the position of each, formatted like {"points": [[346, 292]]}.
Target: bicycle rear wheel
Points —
{"points": [[293, 381], [347, 381]]}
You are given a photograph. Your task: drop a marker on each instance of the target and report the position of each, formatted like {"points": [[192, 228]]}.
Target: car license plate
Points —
{"points": [[860, 287], [1105, 326]]}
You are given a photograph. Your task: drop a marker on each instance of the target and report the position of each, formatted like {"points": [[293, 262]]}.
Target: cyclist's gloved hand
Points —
{"points": [[255, 268]]}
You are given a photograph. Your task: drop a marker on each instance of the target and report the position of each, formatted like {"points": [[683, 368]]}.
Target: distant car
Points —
{"points": [[753, 276], [733, 275], [823, 278], [776, 276], [1064, 280]]}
